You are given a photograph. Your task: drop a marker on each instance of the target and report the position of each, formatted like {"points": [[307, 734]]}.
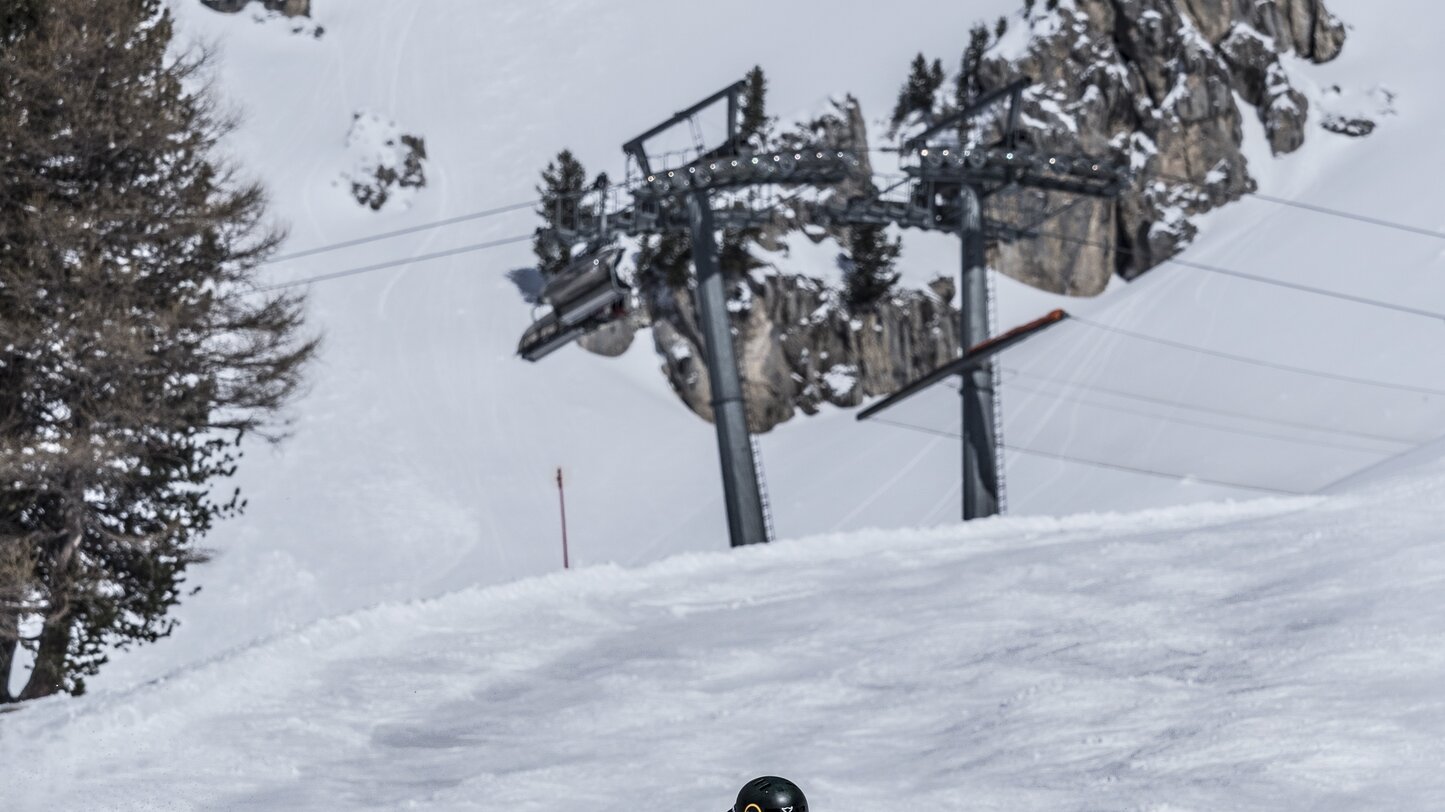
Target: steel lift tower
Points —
{"points": [[703, 194], [956, 169], [955, 178]]}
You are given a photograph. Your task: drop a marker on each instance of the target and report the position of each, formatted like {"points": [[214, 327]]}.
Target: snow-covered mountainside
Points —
{"points": [[1282, 654], [424, 457], [1243, 666]]}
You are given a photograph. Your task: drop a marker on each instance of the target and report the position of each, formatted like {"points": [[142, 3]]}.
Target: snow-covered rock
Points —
{"points": [[1159, 85], [386, 164], [290, 8]]}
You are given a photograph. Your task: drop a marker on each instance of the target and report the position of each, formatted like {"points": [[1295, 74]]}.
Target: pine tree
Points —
{"points": [[735, 260], [665, 261], [561, 191], [135, 349], [755, 123], [917, 94], [870, 275], [968, 86]]}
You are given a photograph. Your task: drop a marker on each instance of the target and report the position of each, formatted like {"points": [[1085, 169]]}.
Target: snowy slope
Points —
{"points": [[1277, 654], [1267, 655], [423, 457]]}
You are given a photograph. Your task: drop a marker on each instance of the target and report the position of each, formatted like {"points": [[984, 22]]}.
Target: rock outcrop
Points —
{"points": [[1158, 83], [291, 8], [1162, 85], [798, 347], [386, 164]]}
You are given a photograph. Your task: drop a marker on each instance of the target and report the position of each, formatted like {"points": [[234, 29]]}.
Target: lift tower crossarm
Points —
{"points": [[992, 169], [1013, 89], [954, 177], [636, 147]]}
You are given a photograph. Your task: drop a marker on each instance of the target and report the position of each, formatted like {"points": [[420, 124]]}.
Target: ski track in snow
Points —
{"points": [[884, 488], [1234, 656]]}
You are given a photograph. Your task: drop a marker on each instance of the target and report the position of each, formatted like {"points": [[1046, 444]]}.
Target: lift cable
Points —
{"points": [[380, 266], [1099, 463], [1348, 215], [1318, 209], [1121, 393], [1243, 359], [1297, 286], [1199, 423], [511, 207], [476, 215]]}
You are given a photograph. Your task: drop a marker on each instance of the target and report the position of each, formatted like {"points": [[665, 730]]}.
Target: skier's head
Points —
{"points": [[770, 794]]}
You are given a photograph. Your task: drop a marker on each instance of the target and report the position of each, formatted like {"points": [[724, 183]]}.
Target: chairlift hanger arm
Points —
{"points": [[975, 357], [635, 146], [1014, 89]]}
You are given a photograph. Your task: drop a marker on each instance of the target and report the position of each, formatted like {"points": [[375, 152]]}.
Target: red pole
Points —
{"points": [[562, 503]]}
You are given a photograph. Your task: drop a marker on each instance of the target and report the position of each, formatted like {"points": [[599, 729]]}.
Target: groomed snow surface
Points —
{"points": [[1271, 655], [379, 630]]}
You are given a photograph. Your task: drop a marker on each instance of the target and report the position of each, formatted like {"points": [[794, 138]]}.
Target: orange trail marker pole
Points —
{"points": [[562, 503]]}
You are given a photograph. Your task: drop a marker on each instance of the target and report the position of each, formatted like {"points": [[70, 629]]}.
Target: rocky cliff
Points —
{"points": [[1162, 85]]}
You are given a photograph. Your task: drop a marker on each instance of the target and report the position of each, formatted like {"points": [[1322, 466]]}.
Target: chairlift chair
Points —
{"points": [[585, 295]]}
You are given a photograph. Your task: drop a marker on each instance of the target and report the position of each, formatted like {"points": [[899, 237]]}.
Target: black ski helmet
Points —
{"points": [[770, 794]]}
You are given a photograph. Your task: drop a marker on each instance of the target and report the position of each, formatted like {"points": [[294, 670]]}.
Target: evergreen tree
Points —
{"points": [[665, 261], [935, 80], [754, 126], [561, 195], [968, 86], [735, 260], [918, 92], [135, 349], [870, 275]]}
